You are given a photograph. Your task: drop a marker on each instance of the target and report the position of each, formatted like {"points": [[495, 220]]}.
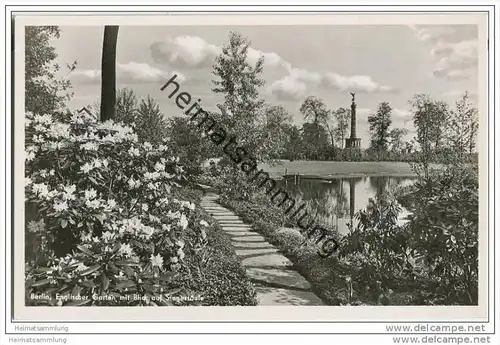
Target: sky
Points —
{"points": [[378, 62]]}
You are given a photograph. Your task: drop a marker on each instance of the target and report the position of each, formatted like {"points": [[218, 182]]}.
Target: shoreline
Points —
{"points": [[346, 175]]}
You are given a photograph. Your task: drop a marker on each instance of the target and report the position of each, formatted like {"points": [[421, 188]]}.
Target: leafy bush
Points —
{"points": [[216, 273], [102, 219], [443, 229], [433, 257]]}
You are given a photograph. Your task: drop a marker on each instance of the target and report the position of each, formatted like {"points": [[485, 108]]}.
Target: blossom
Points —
{"points": [[126, 250], [174, 259], [145, 207], [60, 206], [156, 260], [148, 146], [55, 145], [112, 203], [93, 204], [151, 175], [43, 119], [189, 205], [90, 194], [133, 183], [38, 139], [173, 215], [180, 254], [86, 168], [97, 163], [36, 226], [60, 130], [147, 232], [154, 218], [89, 146], [166, 227], [159, 166], [86, 238], [27, 181], [39, 128], [107, 236], [41, 189], [68, 192], [29, 156], [81, 266], [134, 151], [203, 223], [183, 222]]}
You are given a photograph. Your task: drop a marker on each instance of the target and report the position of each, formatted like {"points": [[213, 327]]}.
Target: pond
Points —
{"points": [[338, 199]]}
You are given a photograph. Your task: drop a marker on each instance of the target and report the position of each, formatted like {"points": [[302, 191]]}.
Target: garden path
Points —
{"points": [[275, 280]]}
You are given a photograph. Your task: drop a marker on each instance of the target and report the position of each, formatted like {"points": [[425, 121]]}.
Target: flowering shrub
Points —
{"points": [[103, 225]]}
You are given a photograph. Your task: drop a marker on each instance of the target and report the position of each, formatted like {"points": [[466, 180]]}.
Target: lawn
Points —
{"points": [[325, 169]]}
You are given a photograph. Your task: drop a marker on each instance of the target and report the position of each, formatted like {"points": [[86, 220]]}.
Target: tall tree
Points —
{"points": [[239, 82], [429, 119], [315, 133], [108, 73], [45, 92], [277, 120], [379, 124], [314, 108], [126, 106], [342, 117], [396, 135], [463, 125], [293, 145], [314, 140], [151, 125]]}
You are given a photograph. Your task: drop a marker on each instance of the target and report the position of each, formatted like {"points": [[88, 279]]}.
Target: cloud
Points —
{"points": [[184, 52], [128, 73], [356, 83], [453, 47], [288, 89], [195, 52]]}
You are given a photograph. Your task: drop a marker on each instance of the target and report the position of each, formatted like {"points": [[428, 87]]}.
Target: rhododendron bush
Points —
{"points": [[104, 221]]}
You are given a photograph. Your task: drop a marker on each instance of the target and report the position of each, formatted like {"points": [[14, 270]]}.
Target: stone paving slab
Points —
{"points": [[247, 252], [248, 245], [267, 260], [238, 225], [253, 238], [276, 296], [239, 233], [283, 277], [235, 228], [229, 217], [227, 222]]}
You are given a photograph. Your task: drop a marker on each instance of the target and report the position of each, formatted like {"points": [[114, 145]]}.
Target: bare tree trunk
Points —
{"points": [[108, 73]]}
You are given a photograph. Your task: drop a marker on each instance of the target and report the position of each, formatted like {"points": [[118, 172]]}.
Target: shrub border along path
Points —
{"points": [[275, 280]]}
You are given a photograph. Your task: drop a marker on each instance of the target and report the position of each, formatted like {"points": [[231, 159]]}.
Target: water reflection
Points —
{"points": [[337, 200]]}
